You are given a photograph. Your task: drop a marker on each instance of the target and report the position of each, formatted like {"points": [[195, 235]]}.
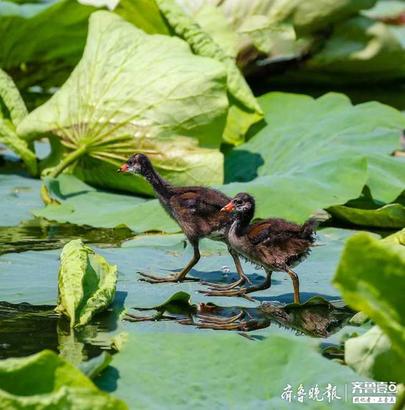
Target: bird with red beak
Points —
{"points": [[230, 207], [274, 244], [123, 168]]}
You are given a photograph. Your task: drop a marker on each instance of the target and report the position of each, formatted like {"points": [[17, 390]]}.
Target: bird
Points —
{"points": [[196, 209], [274, 244]]}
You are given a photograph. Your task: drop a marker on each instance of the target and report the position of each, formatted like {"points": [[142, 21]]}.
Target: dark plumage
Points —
{"points": [[275, 244], [196, 209]]}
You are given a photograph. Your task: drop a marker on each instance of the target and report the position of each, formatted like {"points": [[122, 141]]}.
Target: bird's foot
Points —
{"points": [[216, 286], [228, 286], [164, 279]]}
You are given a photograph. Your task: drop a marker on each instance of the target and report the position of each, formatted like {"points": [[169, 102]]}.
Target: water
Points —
{"points": [[38, 235], [27, 329]]}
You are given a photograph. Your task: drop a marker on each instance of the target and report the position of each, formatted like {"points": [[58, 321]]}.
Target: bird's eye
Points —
{"points": [[238, 202]]}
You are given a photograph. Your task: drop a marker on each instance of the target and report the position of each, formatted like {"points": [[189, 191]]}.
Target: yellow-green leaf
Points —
{"points": [[86, 283]]}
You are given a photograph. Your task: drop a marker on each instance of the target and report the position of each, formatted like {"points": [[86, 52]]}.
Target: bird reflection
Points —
{"points": [[317, 317]]}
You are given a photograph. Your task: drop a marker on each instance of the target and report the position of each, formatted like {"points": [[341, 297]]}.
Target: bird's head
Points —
{"points": [[136, 164], [242, 204]]}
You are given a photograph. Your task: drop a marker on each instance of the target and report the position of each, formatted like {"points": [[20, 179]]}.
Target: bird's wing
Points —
{"points": [[272, 230], [202, 202], [259, 231]]}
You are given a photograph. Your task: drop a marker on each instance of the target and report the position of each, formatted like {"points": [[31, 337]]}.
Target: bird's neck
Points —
{"points": [[159, 185], [241, 223]]}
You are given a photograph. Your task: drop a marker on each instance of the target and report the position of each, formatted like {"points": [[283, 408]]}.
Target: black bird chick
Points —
{"points": [[196, 209], [274, 243]]}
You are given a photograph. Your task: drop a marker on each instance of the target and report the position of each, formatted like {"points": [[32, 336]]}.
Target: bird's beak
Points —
{"points": [[228, 207], [123, 168]]}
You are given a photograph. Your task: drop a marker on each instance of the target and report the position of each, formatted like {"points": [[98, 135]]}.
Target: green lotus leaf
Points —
{"points": [[313, 149], [238, 373], [370, 276], [244, 25], [12, 112], [143, 14], [138, 93], [45, 381], [12, 99], [213, 21], [93, 367], [360, 49], [305, 16], [81, 204], [175, 241], [86, 283], [315, 15], [178, 303], [386, 9], [47, 58], [371, 355], [244, 110], [397, 238], [387, 216]]}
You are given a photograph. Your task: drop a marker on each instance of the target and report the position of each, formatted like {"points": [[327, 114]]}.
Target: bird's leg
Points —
{"points": [[178, 277], [239, 268], [243, 292], [242, 277], [296, 284]]}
